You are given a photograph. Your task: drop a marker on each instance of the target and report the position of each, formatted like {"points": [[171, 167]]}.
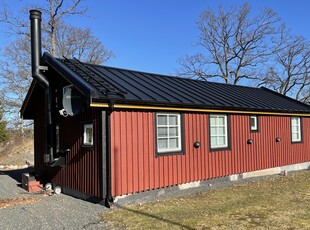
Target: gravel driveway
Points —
{"points": [[43, 211]]}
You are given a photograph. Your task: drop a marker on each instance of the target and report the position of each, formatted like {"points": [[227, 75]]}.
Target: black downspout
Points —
{"points": [[36, 56], [49, 156], [109, 198]]}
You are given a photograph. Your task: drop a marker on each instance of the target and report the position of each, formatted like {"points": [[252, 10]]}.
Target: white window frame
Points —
{"points": [[178, 136], [85, 137], [218, 146], [255, 127], [298, 125]]}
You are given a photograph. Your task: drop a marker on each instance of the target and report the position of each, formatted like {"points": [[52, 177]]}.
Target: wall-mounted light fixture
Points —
{"points": [[197, 144], [250, 141]]}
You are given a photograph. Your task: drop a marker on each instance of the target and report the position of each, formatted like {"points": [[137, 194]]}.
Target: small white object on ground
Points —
{"points": [[48, 186], [57, 190]]}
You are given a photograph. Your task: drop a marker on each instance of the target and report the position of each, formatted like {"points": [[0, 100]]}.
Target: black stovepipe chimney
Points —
{"points": [[36, 56]]}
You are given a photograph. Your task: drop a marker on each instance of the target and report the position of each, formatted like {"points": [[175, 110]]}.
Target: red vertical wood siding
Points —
{"points": [[82, 172], [83, 169], [136, 168]]}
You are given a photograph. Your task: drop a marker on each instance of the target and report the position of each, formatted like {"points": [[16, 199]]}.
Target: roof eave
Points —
{"points": [[85, 88], [27, 98], [124, 104]]}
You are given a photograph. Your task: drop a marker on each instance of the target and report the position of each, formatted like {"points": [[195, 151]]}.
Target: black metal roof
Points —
{"points": [[134, 87]]}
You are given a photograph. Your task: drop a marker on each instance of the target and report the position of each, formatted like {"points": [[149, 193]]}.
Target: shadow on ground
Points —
{"points": [[182, 226], [16, 174]]}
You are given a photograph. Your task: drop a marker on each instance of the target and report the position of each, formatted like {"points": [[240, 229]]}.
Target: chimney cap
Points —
{"points": [[35, 14]]}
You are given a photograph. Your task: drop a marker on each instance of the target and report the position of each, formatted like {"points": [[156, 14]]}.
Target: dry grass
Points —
{"points": [[274, 203], [18, 150]]}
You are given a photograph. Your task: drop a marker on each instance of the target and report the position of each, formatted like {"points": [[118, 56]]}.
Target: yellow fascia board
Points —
{"points": [[145, 107]]}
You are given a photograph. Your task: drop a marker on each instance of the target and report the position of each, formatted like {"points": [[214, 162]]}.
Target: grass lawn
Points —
{"points": [[274, 203]]}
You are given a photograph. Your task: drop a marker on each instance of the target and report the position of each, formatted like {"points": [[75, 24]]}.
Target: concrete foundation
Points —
{"points": [[204, 185]]}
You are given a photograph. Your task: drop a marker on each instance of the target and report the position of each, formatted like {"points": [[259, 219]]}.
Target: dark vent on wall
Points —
{"points": [[89, 74]]}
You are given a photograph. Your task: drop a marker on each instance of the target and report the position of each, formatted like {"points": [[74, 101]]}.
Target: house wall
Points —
{"points": [[39, 134], [136, 168], [82, 175], [83, 167]]}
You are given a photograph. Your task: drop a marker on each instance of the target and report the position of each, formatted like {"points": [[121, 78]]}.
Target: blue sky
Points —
{"points": [[151, 35]]}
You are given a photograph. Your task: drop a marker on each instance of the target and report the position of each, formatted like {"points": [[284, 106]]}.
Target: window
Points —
{"points": [[254, 123], [88, 137], [168, 132], [296, 129], [57, 139], [218, 131]]}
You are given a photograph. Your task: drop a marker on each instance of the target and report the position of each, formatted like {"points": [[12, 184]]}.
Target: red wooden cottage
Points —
{"points": [[103, 132]]}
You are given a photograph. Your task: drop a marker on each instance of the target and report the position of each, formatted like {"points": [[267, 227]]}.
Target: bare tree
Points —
{"points": [[57, 35], [15, 71], [81, 44], [3, 129], [235, 44], [56, 11], [289, 74], [58, 38]]}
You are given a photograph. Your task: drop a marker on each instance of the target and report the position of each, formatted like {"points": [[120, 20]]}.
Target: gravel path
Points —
{"points": [[44, 212]]}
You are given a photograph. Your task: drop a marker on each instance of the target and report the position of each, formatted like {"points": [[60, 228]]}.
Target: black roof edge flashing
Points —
{"points": [[86, 89], [284, 96], [27, 98], [210, 109]]}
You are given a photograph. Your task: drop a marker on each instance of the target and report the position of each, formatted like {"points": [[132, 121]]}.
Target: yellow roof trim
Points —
{"points": [[125, 106]]}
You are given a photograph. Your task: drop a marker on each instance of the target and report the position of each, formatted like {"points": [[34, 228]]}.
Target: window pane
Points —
{"points": [[253, 123], [162, 132], [221, 131], [173, 143], [294, 136], [173, 120], [294, 129], [294, 121], [89, 135], [212, 120], [213, 131], [162, 120], [221, 120], [162, 143], [213, 141], [57, 138], [221, 141], [173, 131]]}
